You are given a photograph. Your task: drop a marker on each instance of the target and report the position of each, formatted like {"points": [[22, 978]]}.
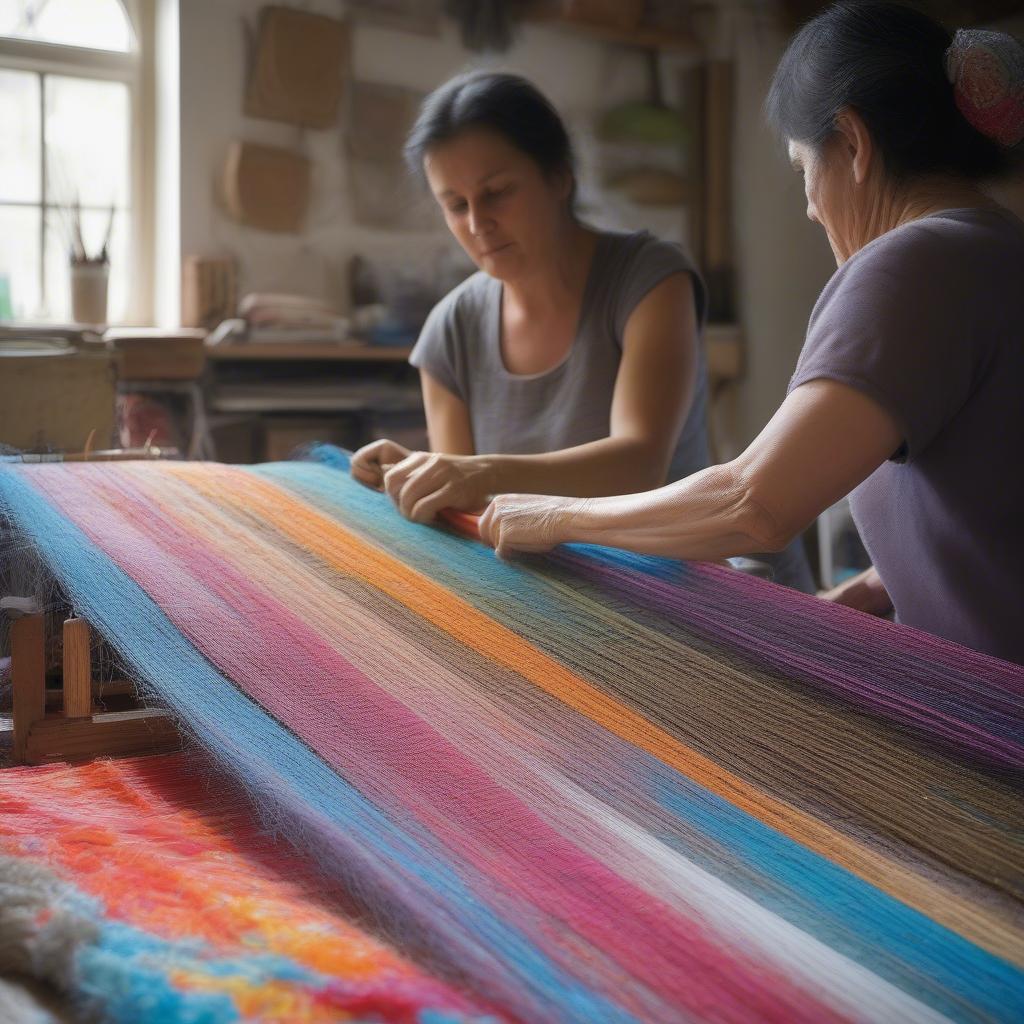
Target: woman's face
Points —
{"points": [[497, 201], [832, 201]]}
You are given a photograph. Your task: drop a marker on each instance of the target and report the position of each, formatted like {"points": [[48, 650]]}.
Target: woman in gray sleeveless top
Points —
{"points": [[570, 363]]}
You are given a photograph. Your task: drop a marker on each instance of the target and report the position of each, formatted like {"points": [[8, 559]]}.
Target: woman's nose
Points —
{"points": [[478, 220]]}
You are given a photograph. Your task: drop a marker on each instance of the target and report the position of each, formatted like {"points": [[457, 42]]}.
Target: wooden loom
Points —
{"points": [[751, 842], [75, 729]]}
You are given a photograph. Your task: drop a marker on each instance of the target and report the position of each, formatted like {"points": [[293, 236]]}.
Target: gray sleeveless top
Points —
{"points": [[528, 414], [569, 405]]}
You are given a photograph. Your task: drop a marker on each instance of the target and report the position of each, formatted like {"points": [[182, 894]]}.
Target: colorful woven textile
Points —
{"points": [[591, 786], [146, 894]]}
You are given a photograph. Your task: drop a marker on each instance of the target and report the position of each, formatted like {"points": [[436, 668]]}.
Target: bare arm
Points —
{"points": [[823, 441], [652, 396], [653, 391], [448, 425]]}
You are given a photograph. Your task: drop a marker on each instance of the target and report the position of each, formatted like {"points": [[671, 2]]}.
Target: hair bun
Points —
{"points": [[987, 72]]}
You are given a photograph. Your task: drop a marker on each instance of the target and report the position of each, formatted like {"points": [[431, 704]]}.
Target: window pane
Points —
{"points": [[98, 24], [86, 141], [20, 175], [94, 224], [19, 258]]}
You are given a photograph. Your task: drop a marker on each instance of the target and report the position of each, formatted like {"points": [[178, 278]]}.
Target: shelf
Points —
{"points": [[314, 396], [675, 40], [297, 350]]}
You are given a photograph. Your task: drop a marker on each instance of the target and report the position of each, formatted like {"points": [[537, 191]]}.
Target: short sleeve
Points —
{"points": [[437, 348], [645, 268], [895, 323]]}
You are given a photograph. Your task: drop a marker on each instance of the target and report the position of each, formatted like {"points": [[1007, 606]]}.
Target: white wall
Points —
{"points": [[579, 76], [783, 259]]}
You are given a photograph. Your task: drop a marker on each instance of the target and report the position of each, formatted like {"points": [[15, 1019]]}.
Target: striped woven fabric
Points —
{"points": [[588, 786]]}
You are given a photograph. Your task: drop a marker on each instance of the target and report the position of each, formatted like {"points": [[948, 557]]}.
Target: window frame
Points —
{"points": [[134, 68]]}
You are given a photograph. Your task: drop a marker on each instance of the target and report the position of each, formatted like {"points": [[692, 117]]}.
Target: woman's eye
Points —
{"points": [[457, 208]]}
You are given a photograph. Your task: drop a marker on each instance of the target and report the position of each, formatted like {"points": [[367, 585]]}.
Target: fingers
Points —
{"points": [[496, 528], [503, 549], [486, 524], [369, 462], [420, 486], [398, 478], [510, 524], [425, 509], [366, 476]]}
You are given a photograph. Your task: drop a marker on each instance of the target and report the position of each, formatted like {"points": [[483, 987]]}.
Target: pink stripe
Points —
{"points": [[391, 754]]}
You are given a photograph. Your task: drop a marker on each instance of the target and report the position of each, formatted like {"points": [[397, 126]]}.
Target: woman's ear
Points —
{"points": [[565, 182], [857, 143]]}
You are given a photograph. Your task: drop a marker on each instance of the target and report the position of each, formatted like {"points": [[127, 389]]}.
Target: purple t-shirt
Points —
{"points": [[928, 320]]}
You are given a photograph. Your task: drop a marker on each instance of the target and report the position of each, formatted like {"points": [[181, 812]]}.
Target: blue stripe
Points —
{"points": [[295, 791], [932, 963]]}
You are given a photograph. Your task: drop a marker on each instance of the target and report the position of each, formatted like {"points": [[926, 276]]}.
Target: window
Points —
{"points": [[69, 110]]}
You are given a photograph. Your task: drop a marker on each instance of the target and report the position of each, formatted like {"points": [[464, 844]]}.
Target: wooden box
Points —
{"points": [[152, 353]]}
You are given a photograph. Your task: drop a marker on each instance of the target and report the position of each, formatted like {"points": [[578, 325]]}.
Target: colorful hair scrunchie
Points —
{"points": [[987, 72]]}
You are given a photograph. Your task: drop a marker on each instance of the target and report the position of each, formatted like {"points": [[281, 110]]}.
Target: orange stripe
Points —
{"points": [[349, 554]]}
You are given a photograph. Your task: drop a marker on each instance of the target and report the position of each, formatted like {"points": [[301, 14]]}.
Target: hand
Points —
{"points": [[528, 522], [423, 483], [865, 592], [373, 460]]}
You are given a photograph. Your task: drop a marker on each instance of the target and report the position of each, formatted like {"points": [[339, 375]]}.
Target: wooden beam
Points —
{"points": [[112, 733], [77, 669], [110, 688], [28, 673]]}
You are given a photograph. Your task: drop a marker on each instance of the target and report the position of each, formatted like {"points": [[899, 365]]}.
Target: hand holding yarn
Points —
{"points": [[987, 72], [529, 522], [423, 483], [373, 460]]}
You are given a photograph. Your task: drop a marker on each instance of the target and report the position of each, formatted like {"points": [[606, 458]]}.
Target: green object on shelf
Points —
{"points": [[6, 305], [642, 122]]}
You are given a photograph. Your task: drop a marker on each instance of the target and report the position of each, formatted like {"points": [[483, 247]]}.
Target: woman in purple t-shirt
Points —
{"points": [[909, 392]]}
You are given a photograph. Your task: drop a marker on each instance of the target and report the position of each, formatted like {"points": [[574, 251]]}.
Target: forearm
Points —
{"points": [[710, 515], [612, 465]]}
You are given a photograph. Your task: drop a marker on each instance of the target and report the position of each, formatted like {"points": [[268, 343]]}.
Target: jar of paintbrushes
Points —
{"points": [[89, 273]]}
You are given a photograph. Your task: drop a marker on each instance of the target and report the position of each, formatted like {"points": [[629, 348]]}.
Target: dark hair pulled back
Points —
{"points": [[502, 103], [887, 61]]}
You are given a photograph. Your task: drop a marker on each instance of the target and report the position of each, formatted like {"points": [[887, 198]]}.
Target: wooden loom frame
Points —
{"points": [[76, 731]]}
